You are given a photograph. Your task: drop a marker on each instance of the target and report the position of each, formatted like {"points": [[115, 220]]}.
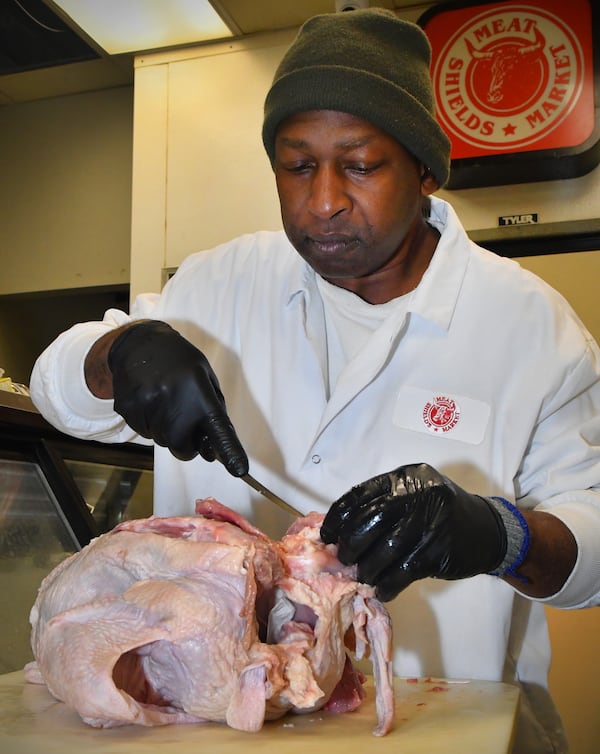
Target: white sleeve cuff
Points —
{"points": [[60, 393]]}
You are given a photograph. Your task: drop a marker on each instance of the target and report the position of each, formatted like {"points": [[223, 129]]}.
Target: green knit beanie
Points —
{"points": [[368, 63]]}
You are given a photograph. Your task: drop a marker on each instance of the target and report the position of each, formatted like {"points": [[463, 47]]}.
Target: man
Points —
{"points": [[371, 348]]}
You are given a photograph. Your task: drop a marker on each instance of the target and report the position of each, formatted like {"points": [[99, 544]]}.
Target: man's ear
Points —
{"points": [[429, 183]]}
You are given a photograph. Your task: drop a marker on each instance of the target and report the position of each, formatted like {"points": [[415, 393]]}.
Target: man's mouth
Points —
{"points": [[333, 243]]}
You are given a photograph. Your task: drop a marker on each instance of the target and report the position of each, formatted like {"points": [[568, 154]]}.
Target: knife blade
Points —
{"points": [[270, 495]]}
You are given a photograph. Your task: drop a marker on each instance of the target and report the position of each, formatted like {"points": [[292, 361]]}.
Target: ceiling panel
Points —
{"points": [[33, 36]]}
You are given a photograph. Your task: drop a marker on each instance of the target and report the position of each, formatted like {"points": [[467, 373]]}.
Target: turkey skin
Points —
{"points": [[204, 618]]}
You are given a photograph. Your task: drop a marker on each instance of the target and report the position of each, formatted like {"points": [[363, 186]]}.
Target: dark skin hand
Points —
{"points": [[351, 202]]}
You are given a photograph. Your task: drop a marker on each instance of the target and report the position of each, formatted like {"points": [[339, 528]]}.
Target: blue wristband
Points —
{"points": [[517, 537]]}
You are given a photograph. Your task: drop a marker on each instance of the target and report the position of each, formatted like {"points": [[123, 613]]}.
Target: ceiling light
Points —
{"points": [[119, 26]]}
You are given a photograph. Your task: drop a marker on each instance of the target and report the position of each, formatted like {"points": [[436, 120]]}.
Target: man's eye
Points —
{"points": [[361, 169], [297, 167]]}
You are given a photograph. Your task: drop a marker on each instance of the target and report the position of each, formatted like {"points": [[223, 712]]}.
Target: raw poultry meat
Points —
{"points": [[204, 618]]}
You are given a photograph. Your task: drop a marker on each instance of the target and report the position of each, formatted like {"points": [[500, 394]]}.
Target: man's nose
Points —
{"points": [[328, 195]]}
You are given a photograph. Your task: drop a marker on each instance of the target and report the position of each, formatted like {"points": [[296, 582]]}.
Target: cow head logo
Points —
{"points": [[508, 77], [507, 68]]}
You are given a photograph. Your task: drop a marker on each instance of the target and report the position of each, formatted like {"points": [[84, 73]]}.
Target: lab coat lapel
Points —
{"points": [[363, 368], [306, 362]]}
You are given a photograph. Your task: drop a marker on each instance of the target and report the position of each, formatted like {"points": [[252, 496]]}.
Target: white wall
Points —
{"points": [[65, 191], [200, 174]]}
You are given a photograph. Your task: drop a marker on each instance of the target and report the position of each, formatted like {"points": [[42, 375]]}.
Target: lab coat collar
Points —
{"points": [[436, 296]]}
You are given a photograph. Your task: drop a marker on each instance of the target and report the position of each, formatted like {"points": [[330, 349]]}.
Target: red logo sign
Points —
{"points": [[514, 77], [441, 414]]}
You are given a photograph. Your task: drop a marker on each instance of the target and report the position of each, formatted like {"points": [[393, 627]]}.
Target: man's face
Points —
{"points": [[350, 194]]}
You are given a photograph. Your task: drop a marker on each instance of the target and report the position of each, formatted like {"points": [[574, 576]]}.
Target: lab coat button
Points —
{"points": [[316, 459]]}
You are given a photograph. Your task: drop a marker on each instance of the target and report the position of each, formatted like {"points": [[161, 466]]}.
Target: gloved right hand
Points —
{"points": [[166, 390]]}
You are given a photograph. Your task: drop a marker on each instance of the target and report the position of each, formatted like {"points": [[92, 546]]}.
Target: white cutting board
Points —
{"points": [[431, 716]]}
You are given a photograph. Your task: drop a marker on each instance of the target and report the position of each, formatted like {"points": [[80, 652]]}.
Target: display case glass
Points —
{"points": [[113, 493], [34, 537], [56, 493]]}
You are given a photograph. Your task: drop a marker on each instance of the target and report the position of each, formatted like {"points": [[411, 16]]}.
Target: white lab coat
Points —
{"points": [[518, 370]]}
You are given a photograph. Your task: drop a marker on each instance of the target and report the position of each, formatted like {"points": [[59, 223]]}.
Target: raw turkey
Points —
{"points": [[204, 618]]}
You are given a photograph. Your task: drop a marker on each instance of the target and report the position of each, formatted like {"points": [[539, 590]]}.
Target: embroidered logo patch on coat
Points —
{"points": [[441, 415]]}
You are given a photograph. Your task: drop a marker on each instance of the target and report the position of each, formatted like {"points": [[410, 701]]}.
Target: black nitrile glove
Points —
{"points": [[166, 390], [411, 523]]}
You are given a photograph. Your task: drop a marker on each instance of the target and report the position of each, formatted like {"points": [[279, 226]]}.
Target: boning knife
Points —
{"points": [[270, 495]]}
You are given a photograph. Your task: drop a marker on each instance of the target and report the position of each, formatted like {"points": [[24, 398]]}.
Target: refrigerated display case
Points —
{"points": [[56, 493]]}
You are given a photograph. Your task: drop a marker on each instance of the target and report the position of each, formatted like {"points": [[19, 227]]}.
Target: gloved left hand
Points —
{"points": [[411, 523]]}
